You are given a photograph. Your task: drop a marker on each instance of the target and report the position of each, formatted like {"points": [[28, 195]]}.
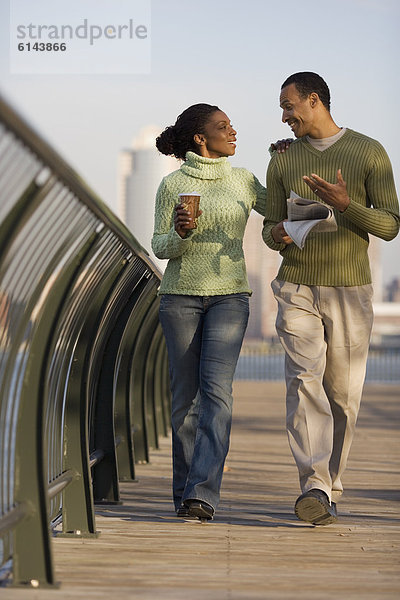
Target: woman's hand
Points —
{"points": [[281, 145], [182, 220]]}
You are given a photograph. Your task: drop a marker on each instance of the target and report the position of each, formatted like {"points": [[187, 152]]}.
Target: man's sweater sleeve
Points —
{"points": [[381, 215], [166, 242], [276, 209]]}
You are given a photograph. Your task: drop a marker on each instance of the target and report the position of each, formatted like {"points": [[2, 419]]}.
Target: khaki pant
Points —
{"points": [[325, 332]]}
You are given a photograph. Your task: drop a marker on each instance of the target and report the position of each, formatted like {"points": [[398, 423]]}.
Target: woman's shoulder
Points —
{"points": [[242, 174], [172, 179], [173, 175]]}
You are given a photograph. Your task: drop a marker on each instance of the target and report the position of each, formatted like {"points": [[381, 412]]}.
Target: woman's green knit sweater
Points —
{"points": [[335, 258], [209, 261]]}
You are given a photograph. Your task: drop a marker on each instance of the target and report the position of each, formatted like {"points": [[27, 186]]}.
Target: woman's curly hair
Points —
{"points": [[178, 139]]}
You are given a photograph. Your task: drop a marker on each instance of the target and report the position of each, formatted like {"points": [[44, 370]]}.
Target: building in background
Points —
{"points": [[262, 267], [392, 290], [140, 170], [375, 259]]}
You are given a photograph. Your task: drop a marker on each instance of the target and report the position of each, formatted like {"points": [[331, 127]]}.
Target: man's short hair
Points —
{"points": [[306, 83]]}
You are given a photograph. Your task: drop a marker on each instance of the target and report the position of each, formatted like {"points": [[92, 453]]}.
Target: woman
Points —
{"points": [[204, 305]]}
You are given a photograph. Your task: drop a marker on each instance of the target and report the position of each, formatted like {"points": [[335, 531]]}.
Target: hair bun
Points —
{"points": [[166, 141]]}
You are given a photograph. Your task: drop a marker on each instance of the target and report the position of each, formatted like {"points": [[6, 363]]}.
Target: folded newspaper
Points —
{"points": [[305, 215]]}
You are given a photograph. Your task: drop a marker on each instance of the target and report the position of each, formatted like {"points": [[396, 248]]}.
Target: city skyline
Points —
{"points": [[232, 54]]}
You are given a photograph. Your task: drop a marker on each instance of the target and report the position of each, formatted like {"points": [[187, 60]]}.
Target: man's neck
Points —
{"points": [[325, 129]]}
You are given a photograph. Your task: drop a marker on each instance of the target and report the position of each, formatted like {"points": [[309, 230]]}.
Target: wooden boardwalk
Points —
{"points": [[255, 548]]}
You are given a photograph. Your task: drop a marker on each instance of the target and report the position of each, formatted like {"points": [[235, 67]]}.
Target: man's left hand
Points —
{"points": [[334, 194]]}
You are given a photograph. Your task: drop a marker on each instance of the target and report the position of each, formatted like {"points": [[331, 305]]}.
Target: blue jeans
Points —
{"points": [[204, 335]]}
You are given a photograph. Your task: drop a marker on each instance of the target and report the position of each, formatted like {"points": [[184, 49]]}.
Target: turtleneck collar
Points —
{"points": [[206, 168]]}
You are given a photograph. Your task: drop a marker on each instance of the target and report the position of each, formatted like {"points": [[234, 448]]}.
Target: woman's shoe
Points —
{"points": [[199, 509], [183, 513]]}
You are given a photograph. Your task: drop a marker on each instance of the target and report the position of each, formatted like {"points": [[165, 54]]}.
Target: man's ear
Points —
{"points": [[314, 98], [199, 139]]}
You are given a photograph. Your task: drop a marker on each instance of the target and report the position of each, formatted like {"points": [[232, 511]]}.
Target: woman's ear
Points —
{"points": [[199, 139]]}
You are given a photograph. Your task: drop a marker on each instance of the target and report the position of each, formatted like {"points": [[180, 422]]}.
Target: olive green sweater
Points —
{"points": [[209, 260], [334, 258]]}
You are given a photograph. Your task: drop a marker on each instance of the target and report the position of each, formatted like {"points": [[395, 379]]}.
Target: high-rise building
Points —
{"points": [[140, 170], [375, 260], [262, 266]]}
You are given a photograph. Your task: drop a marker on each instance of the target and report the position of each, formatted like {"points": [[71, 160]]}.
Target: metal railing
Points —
{"points": [[83, 378], [265, 361]]}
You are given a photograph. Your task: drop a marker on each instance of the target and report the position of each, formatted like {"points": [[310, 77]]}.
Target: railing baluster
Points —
{"points": [[77, 297]]}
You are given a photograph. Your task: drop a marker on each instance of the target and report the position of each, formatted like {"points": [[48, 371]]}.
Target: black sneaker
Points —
{"points": [[199, 509], [313, 506], [183, 513]]}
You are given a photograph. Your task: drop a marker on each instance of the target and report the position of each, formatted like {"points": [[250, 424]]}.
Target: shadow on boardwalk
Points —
{"points": [[255, 548]]}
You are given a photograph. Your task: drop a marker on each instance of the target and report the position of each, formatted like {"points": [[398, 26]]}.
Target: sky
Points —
{"points": [[228, 52]]}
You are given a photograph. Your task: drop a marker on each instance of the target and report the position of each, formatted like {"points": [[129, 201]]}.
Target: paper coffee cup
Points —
{"points": [[191, 202]]}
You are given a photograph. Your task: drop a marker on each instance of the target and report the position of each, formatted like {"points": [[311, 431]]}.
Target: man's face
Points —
{"points": [[297, 112]]}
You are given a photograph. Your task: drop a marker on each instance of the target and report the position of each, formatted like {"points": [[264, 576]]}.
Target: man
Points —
{"points": [[324, 290]]}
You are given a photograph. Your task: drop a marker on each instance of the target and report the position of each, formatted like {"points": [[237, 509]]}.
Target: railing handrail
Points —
{"points": [[14, 516], [72, 180]]}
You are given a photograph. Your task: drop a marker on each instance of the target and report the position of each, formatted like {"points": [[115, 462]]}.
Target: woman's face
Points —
{"points": [[218, 138]]}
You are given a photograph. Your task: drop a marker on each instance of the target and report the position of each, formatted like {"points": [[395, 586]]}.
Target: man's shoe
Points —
{"points": [[313, 506], [199, 509]]}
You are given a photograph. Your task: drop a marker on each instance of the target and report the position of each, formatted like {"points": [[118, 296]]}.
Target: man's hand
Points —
{"points": [[334, 194], [279, 234]]}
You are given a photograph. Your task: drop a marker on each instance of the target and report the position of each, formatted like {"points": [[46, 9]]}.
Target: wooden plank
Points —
{"points": [[255, 548]]}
